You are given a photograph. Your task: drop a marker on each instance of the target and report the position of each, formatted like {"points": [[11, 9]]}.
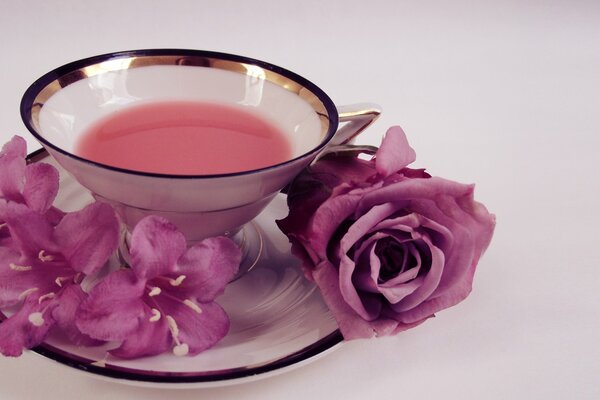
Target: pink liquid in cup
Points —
{"points": [[184, 138]]}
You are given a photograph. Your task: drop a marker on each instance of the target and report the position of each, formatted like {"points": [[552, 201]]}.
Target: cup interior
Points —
{"points": [[60, 107], [63, 105]]}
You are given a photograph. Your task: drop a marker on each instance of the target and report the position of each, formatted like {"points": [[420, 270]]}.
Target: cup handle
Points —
{"points": [[356, 118]]}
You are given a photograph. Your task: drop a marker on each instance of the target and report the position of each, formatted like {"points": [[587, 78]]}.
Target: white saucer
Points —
{"points": [[278, 319]]}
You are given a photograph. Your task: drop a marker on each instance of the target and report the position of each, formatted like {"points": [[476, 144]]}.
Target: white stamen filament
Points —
{"points": [[190, 303], [177, 281], [20, 268], [181, 350], [155, 315], [173, 326], [46, 296], [36, 319], [155, 291], [26, 293], [43, 257], [59, 280]]}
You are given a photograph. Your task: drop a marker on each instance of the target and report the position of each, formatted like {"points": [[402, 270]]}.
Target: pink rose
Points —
{"points": [[388, 246]]}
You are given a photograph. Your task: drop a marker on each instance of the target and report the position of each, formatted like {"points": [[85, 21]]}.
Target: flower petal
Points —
{"points": [[87, 238], [365, 223], [351, 325], [328, 217], [407, 274], [199, 327], [69, 299], [41, 186], [449, 204], [12, 169], [149, 339], [315, 185], [17, 278], [114, 307], [335, 170], [208, 267], [27, 328], [394, 153], [156, 245], [428, 285], [365, 304], [30, 230]]}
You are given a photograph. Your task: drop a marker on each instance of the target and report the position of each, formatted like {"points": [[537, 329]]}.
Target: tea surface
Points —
{"points": [[184, 138]]}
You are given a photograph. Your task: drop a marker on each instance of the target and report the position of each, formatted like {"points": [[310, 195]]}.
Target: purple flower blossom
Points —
{"points": [[43, 266], [388, 246], [165, 301], [34, 185]]}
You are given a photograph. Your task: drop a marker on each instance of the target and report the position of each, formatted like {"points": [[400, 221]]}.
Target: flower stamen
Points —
{"points": [[155, 315], [181, 350], [26, 293], [46, 296], [59, 280], [43, 257], [190, 303], [173, 328], [20, 268], [36, 319], [177, 281], [155, 291]]}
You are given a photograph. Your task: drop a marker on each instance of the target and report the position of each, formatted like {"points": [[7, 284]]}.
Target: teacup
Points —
{"points": [[64, 103]]}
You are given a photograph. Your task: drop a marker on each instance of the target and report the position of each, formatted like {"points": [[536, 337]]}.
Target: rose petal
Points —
{"points": [[365, 223], [87, 238], [68, 301], [27, 328], [328, 217], [365, 304], [41, 186], [351, 325], [407, 274], [329, 177], [208, 267], [114, 307], [405, 283], [156, 245], [304, 252], [199, 327], [364, 277], [334, 171], [394, 153], [402, 326], [414, 173], [429, 284], [451, 205], [448, 299], [472, 233]]}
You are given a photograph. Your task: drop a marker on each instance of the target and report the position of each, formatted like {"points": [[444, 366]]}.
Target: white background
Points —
{"points": [[505, 94]]}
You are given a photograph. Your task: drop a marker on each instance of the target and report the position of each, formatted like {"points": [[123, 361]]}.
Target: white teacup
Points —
{"points": [[64, 103]]}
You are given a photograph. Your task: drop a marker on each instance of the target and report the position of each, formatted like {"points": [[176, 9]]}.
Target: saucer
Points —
{"points": [[278, 318]]}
